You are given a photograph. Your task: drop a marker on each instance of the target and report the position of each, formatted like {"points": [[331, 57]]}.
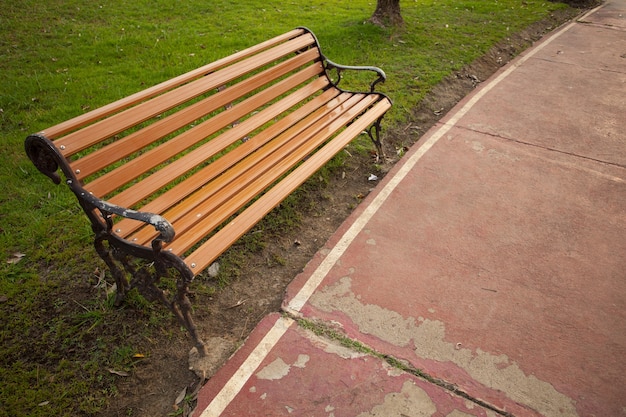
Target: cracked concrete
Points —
{"points": [[428, 339], [412, 401]]}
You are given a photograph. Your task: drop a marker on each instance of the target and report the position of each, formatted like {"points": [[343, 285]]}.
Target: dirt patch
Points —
{"points": [[580, 3], [259, 281]]}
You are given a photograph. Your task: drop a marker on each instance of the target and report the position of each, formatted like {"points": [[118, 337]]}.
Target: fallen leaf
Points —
{"points": [[111, 289], [119, 373], [239, 303], [401, 151], [181, 396], [100, 275], [15, 258]]}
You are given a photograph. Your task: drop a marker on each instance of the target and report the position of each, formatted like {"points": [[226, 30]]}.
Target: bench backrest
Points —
{"points": [[130, 149]]}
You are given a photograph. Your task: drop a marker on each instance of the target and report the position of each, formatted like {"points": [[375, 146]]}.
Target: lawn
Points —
{"points": [[61, 58]]}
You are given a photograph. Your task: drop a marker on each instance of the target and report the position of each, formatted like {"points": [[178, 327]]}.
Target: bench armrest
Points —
{"points": [[47, 158], [330, 65], [160, 223]]}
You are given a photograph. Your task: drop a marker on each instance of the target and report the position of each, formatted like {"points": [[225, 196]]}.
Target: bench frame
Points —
{"points": [[118, 253]]}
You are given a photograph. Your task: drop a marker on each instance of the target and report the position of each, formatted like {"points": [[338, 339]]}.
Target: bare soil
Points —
{"points": [[256, 287]]}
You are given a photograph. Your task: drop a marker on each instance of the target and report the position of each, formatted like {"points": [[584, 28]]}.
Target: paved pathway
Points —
{"points": [[490, 263]]}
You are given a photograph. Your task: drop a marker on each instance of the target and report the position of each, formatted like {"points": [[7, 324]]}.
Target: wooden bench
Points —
{"points": [[173, 175]]}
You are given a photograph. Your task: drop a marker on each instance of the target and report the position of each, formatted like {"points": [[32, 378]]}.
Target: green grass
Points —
{"points": [[61, 58]]}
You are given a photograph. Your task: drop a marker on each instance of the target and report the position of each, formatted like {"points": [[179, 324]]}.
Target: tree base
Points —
{"points": [[387, 14]]}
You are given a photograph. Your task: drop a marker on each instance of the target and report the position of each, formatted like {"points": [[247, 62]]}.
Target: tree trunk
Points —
{"points": [[387, 13]]}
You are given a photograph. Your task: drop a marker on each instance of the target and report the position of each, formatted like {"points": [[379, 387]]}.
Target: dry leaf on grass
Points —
{"points": [[119, 373], [15, 258]]}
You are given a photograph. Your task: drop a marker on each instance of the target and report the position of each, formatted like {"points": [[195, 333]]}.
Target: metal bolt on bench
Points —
{"points": [[170, 177]]}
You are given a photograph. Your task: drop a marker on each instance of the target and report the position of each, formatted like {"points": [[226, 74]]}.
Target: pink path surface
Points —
{"points": [[491, 259]]}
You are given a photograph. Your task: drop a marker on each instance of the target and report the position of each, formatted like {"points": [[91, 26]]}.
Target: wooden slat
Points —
{"points": [[185, 240], [249, 178], [124, 147], [232, 183], [202, 257], [90, 135], [90, 117], [201, 178], [129, 171]]}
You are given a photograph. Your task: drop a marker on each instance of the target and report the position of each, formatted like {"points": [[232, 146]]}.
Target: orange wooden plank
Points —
{"points": [[202, 257], [90, 117], [92, 134], [261, 169], [232, 183], [186, 239], [129, 171], [201, 178], [124, 147]]}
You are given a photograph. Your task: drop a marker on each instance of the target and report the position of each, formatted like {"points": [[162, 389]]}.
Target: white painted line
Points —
{"points": [[245, 371], [331, 259], [589, 13]]}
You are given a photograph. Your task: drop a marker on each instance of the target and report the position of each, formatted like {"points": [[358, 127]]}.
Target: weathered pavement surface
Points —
{"points": [[489, 265]]}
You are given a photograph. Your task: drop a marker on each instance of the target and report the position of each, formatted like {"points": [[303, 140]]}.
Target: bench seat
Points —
{"points": [[175, 174]]}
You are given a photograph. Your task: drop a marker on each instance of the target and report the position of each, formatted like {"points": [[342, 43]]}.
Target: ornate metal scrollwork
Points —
{"points": [[115, 251], [374, 133], [143, 269], [45, 156], [330, 66]]}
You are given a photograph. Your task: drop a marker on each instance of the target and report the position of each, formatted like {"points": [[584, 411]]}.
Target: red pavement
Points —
{"points": [[492, 259]]}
